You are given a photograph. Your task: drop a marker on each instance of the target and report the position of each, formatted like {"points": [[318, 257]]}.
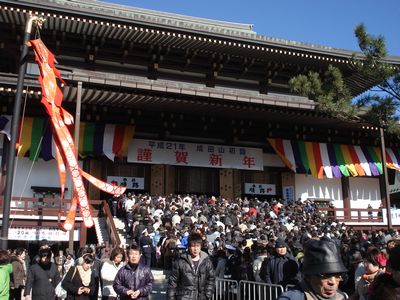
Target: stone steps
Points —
{"points": [[159, 286]]}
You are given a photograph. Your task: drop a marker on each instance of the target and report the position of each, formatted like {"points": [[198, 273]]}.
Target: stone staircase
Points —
{"points": [[159, 286], [120, 225], [101, 230], [160, 279]]}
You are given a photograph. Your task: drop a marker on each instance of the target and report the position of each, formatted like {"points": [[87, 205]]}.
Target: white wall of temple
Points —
{"points": [[308, 187], [363, 190], [43, 173]]}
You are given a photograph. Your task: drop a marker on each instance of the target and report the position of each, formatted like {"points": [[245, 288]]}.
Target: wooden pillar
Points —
{"points": [[288, 179], [226, 183], [157, 185], [95, 168], [82, 235], [346, 195], [237, 183], [169, 180], [382, 189]]}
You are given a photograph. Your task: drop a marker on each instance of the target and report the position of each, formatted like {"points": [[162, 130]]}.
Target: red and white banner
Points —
{"points": [[195, 155]]}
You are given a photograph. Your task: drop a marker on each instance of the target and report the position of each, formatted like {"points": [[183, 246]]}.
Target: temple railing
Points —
{"points": [[44, 207]]}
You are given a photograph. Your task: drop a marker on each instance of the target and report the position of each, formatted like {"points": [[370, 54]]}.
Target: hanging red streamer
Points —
{"points": [[66, 154]]}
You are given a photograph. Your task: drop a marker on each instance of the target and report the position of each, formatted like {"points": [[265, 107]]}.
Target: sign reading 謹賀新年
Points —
{"points": [[259, 189], [131, 183], [28, 233], [194, 154]]}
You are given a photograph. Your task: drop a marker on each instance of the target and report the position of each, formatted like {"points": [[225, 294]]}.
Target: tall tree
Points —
{"points": [[330, 92], [384, 103], [334, 97]]}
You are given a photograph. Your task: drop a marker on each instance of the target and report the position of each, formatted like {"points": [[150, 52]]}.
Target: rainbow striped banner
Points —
{"points": [[95, 139], [333, 160]]}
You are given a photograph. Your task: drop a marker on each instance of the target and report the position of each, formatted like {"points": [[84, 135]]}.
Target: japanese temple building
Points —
{"points": [[177, 104]]}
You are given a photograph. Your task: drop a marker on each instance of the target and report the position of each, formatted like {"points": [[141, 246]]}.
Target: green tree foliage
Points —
{"points": [[335, 99], [330, 92], [383, 105]]}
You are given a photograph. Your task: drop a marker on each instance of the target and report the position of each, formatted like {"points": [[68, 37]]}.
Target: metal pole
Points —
{"points": [[76, 141], [14, 132], [385, 177]]}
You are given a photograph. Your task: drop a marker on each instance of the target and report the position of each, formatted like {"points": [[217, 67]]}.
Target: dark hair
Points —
{"points": [[116, 251], [133, 247], [88, 258], [372, 256], [195, 238], [44, 243], [45, 252], [4, 257], [19, 251], [84, 250], [394, 258]]}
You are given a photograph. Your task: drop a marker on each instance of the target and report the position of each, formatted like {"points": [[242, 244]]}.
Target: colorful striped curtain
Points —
{"points": [[333, 160], [95, 139]]}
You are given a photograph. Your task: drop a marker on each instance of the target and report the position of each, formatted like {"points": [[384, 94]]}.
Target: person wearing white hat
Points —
{"points": [[146, 245], [231, 262]]}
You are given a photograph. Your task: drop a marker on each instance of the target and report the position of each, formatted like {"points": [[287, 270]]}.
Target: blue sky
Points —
{"points": [[323, 22]]}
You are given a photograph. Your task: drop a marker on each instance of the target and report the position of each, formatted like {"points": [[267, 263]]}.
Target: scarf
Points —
{"points": [[309, 294], [85, 275]]}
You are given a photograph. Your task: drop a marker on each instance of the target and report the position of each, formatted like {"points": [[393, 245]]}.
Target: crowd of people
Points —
{"points": [[197, 239]]}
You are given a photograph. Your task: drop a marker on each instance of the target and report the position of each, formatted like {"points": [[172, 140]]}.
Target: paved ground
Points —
{"points": [[159, 286]]}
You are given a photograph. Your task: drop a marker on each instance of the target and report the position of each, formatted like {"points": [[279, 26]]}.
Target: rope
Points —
{"points": [[19, 139], [33, 162]]}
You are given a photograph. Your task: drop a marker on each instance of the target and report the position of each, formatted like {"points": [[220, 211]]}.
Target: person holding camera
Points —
{"points": [[79, 283]]}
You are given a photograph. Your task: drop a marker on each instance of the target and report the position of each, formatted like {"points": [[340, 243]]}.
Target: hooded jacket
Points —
{"points": [[186, 283], [5, 271], [129, 279]]}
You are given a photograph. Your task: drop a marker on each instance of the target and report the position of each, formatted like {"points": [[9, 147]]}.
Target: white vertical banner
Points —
{"points": [[288, 193], [193, 154]]}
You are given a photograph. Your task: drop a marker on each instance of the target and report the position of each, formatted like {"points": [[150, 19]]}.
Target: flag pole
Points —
{"points": [[14, 130]]}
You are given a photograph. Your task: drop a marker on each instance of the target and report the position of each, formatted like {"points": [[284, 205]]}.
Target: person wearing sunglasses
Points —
{"points": [[322, 273]]}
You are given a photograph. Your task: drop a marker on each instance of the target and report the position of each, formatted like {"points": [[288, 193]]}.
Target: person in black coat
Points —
{"points": [[322, 273], [79, 282], [192, 276], [43, 278], [146, 245], [232, 263], [273, 270]]}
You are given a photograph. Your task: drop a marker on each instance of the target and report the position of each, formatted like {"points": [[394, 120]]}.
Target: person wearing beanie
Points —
{"points": [[273, 270], [322, 272]]}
